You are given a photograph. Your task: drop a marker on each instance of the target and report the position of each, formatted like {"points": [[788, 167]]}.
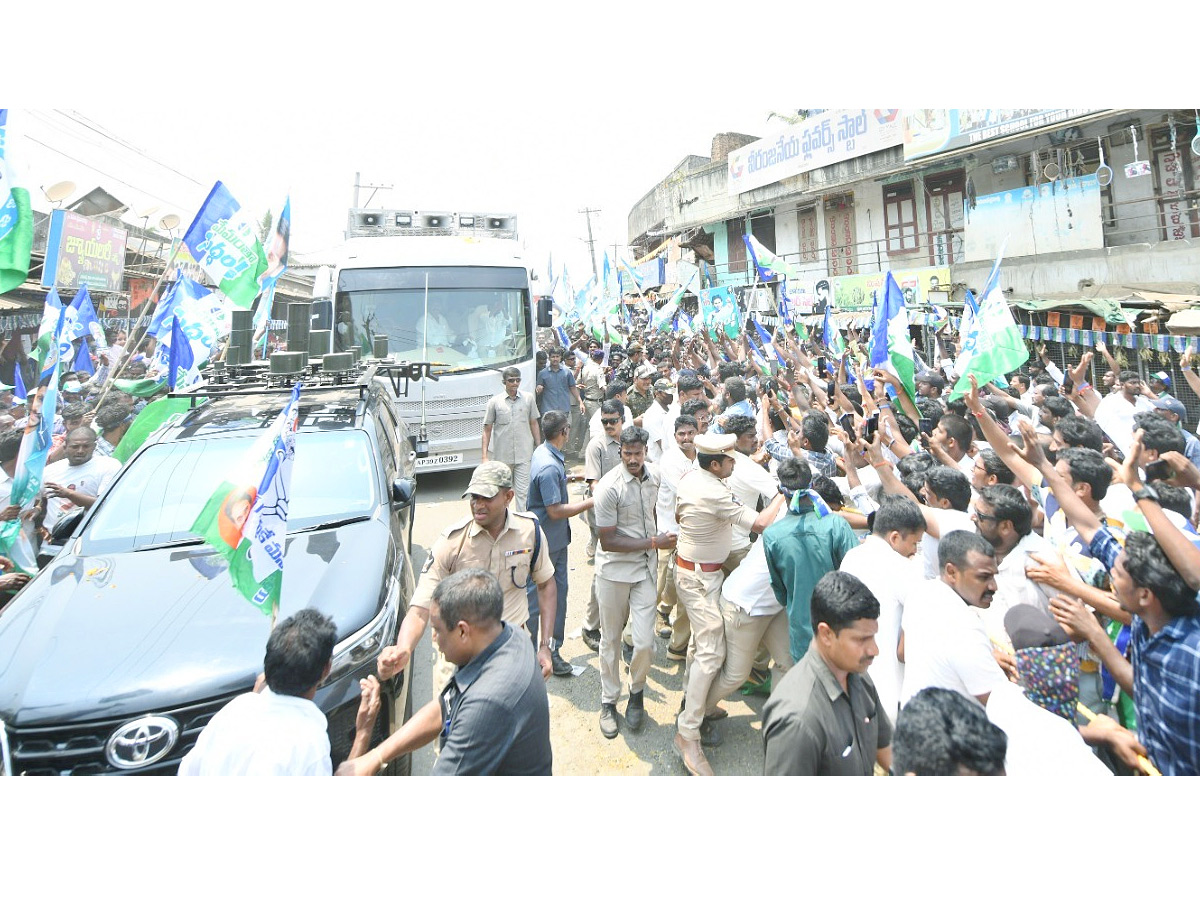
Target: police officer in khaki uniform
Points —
{"points": [[706, 510], [509, 544]]}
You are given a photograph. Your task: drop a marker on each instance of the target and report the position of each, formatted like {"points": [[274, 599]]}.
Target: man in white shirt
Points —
{"points": [[678, 459], [439, 333], [946, 509], [1116, 411], [656, 420], [1004, 518], [752, 484], [951, 443], [884, 563], [280, 730], [77, 480], [943, 641]]}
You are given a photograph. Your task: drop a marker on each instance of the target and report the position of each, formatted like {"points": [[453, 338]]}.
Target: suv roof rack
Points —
{"points": [[256, 378]]}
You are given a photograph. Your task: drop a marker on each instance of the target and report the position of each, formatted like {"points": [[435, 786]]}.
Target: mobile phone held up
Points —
{"points": [[870, 427]]}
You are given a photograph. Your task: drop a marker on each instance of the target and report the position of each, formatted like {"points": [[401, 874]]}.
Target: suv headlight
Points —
{"points": [[367, 642]]}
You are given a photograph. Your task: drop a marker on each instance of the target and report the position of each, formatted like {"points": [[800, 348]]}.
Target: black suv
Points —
{"points": [[115, 656]]}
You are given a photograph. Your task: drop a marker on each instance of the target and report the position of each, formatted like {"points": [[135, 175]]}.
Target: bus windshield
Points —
{"points": [[467, 326]]}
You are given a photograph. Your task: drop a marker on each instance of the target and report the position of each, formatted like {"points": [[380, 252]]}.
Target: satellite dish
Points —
{"points": [[147, 212], [59, 191], [169, 221]]}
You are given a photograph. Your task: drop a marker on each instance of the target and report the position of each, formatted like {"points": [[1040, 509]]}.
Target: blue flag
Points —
{"points": [[765, 339], [562, 337], [181, 359], [83, 359], [19, 384], [181, 292], [223, 240]]}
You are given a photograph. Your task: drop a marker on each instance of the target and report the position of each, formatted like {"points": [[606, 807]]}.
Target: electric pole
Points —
{"points": [[591, 241]]}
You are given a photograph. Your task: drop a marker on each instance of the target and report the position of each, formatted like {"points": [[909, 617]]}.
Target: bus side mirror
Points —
{"points": [[545, 312]]}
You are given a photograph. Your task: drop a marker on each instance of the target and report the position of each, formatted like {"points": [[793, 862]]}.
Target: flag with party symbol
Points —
{"points": [[245, 519], [891, 344], [223, 240], [993, 346]]}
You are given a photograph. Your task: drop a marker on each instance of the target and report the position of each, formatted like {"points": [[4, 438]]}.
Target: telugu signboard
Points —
{"points": [[1049, 218], [929, 131], [817, 141], [82, 251]]}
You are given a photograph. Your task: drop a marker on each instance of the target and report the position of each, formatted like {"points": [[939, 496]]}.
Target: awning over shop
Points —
{"points": [[1107, 300]]}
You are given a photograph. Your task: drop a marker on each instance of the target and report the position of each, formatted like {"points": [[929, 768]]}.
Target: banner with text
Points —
{"points": [[82, 251], [821, 140], [929, 131]]}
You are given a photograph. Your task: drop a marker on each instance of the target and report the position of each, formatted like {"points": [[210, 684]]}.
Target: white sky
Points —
{"points": [[522, 108]]}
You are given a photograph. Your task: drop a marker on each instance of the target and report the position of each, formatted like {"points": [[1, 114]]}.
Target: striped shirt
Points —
{"points": [[1166, 681]]}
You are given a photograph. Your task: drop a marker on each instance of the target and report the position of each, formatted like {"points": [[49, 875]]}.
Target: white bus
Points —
{"points": [[448, 288]]}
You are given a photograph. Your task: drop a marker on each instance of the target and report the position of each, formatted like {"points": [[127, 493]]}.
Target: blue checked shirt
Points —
{"points": [[1166, 681]]}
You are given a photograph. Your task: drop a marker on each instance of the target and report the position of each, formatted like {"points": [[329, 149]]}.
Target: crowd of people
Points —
{"points": [[90, 419], [1003, 582]]}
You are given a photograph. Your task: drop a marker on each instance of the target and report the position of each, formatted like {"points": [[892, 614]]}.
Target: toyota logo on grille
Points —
{"points": [[142, 742]]}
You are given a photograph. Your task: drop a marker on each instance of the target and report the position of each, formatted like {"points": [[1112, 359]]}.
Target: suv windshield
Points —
{"points": [[332, 479]]}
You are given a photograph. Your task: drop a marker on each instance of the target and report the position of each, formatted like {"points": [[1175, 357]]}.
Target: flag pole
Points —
{"points": [[127, 356]]}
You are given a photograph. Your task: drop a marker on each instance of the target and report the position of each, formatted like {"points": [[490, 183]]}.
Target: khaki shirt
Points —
{"points": [[603, 454], [628, 503], [593, 381], [512, 434], [707, 510], [465, 545]]}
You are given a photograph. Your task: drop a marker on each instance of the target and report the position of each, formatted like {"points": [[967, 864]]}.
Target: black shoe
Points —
{"points": [[591, 638], [608, 720], [626, 653], [664, 624], [558, 665], [681, 654], [635, 714], [710, 734]]}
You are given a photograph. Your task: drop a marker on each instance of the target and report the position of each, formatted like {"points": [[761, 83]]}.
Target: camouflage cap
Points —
{"points": [[664, 386], [489, 479]]}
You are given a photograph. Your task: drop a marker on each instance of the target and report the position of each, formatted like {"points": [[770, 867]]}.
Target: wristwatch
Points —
{"points": [[551, 644], [1146, 493]]}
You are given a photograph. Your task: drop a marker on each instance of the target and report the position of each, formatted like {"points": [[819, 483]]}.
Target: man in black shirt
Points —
{"points": [[824, 718], [492, 716]]}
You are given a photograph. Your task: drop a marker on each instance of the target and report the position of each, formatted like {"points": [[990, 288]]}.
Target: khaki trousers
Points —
{"points": [[700, 596], [620, 600], [520, 472], [668, 599], [743, 635]]}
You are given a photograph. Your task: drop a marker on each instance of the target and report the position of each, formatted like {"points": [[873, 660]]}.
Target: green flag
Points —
{"points": [[140, 387], [992, 345], [147, 422], [16, 223]]}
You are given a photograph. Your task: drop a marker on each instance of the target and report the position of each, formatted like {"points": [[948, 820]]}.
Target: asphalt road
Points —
{"points": [[579, 748]]}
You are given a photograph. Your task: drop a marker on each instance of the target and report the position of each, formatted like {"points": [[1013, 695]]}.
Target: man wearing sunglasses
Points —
{"points": [[510, 432]]}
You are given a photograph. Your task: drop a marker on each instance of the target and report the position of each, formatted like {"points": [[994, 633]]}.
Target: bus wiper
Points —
{"points": [[182, 542], [332, 523]]}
